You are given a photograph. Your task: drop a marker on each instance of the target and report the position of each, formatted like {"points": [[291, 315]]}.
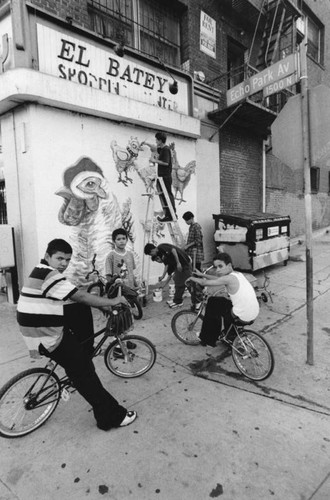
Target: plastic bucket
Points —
{"points": [[157, 295]]}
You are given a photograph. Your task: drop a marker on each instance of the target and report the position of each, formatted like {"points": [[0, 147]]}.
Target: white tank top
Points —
{"points": [[245, 302]]}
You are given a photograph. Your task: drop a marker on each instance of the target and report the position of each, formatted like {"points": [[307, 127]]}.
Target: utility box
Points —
{"points": [[253, 241]]}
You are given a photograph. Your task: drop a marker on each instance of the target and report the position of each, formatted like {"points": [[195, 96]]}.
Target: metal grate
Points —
{"points": [[152, 28]]}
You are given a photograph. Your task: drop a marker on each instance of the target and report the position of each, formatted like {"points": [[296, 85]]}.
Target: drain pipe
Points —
{"points": [[264, 144]]}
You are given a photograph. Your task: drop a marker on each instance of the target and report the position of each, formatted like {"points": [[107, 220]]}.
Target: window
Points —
{"points": [[235, 63], [315, 38], [315, 179], [147, 25]]}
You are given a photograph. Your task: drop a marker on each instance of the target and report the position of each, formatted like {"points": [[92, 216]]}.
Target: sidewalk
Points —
{"points": [[203, 431]]}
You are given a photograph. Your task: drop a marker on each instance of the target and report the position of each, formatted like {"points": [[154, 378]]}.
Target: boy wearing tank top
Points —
{"points": [[242, 301]]}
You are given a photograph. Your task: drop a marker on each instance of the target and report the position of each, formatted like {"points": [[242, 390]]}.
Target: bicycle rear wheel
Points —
{"points": [[135, 362], [27, 401], [186, 326], [253, 355]]}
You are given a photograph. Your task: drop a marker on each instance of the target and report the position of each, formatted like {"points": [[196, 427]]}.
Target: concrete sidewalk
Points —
{"points": [[203, 431]]}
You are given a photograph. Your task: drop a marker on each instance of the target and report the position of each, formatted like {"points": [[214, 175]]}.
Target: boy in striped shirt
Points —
{"points": [[40, 314]]}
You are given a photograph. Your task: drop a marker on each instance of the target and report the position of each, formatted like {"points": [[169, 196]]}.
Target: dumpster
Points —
{"points": [[253, 241]]}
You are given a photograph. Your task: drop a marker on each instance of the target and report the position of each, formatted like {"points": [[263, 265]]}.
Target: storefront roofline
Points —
{"points": [[23, 86]]}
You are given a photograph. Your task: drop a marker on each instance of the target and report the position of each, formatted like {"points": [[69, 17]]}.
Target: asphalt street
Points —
{"points": [[203, 430]]}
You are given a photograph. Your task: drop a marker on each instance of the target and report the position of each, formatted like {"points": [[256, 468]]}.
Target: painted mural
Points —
{"points": [[93, 210]]}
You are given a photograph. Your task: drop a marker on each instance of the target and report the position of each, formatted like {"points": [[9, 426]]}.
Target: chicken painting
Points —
{"points": [[180, 175], [92, 211], [125, 157]]}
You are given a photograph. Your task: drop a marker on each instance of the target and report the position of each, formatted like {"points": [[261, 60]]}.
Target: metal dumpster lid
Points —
{"points": [[252, 218]]}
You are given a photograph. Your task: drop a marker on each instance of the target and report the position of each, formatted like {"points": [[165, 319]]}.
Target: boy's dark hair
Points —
{"points": [[161, 136], [58, 245], [118, 231], [148, 248], [188, 216], [224, 257]]}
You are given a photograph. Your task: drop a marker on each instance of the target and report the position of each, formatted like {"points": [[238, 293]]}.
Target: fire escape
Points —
{"points": [[273, 23]]}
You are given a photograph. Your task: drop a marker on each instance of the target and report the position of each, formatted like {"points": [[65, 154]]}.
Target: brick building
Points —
{"points": [[83, 79]]}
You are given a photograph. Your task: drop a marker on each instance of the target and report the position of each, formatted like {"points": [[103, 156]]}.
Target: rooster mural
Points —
{"points": [[180, 175], [125, 157], [92, 211]]}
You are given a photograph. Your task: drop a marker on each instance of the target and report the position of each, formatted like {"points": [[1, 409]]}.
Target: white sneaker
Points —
{"points": [[175, 305], [170, 303], [129, 419]]}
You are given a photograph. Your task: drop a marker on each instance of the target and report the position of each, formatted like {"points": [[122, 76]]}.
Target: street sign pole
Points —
{"points": [[306, 141]]}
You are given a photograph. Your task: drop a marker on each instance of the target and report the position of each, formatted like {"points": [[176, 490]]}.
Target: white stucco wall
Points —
{"points": [[41, 142], [208, 191]]}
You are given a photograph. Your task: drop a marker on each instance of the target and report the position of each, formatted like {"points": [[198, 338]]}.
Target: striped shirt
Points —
{"points": [[40, 313]]}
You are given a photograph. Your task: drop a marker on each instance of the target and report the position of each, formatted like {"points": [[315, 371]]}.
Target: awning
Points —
{"points": [[247, 114]]}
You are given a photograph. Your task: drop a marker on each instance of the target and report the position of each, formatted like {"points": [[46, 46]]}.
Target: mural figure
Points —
{"points": [[92, 211], [127, 220], [155, 229], [124, 158], [148, 174], [180, 175]]}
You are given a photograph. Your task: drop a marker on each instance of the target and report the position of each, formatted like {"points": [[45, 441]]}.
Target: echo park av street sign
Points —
{"points": [[278, 71]]}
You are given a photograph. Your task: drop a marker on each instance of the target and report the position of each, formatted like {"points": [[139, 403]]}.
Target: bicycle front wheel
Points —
{"points": [[253, 355], [186, 326], [136, 307], [27, 401], [137, 361]]}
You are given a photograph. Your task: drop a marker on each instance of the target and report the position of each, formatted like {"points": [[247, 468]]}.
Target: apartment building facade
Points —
{"points": [[85, 84]]}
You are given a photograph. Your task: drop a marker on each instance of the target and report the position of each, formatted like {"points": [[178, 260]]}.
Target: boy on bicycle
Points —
{"points": [[242, 302], [41, 316]]}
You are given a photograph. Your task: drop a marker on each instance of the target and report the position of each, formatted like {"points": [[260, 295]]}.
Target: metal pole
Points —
{"points": [[306, 140]]}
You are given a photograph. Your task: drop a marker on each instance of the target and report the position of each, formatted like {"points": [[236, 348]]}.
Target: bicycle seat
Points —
{"points": [[239, 322]]}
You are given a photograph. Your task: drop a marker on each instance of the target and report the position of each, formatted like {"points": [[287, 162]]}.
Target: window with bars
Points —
{"points": [[150, 26]]}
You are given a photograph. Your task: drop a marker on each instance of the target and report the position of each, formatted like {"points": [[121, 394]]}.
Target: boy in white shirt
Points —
{"points": [[242, 301]]}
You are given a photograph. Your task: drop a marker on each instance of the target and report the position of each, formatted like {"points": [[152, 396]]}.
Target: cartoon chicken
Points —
{"points": [[124, 158], [92, 211]]}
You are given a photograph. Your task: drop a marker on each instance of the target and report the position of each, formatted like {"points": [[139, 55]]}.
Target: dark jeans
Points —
{"points": [[179, 279], [168, 185], [76, 360], [217, 309]]}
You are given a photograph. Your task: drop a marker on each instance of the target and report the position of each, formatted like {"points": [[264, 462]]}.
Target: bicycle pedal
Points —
{"points": [[65, 395]]}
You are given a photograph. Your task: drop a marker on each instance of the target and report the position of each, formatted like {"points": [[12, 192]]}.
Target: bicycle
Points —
{"points": [[29, 399], [251, 353], [102, 286]]}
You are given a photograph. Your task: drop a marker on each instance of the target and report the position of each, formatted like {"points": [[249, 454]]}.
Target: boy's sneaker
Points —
{"points": [[129, 419], [175, 305], [198, 306], [170, 303]]}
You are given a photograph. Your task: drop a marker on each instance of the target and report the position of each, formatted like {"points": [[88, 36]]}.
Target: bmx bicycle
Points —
{"points": [[29, 399], [103, 287], [251, 353]]}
